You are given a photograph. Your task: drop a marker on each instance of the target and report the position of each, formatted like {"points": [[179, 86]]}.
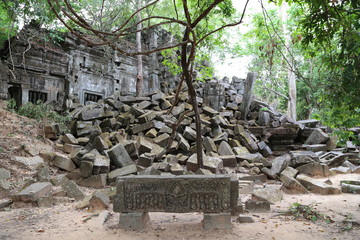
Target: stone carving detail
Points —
{"points": [[173, 194]]}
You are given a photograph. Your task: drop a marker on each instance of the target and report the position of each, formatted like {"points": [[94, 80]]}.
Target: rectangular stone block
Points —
{"points": [[32, 192], [180, 194], [217, 221], [257, 206], [133, 221]]}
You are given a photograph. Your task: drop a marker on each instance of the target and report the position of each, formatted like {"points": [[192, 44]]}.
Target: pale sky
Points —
{"points": [[237, 66]]}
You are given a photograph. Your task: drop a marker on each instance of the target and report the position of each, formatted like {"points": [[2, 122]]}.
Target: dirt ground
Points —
{"points": [[19, 136]]}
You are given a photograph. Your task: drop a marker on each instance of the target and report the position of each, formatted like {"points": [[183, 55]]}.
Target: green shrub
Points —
{"points": [[40, 111]]}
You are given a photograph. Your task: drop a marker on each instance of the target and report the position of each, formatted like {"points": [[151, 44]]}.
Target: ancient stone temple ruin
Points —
{"points": [[35, 68]]}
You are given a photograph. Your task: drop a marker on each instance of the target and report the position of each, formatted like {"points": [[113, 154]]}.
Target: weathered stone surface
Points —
{"points": [[101, 165], [291, 185], [29, 162], [245, 138], [250, 157], [209, 145], [161, 166], [217, 221], [33, 192], [340, 169], [209, 111], [162, 140], [142, 127], [152, 133], [147, 117], [350, 187], [257, 206], [173, 194], [264, 149], [269, 193], [72, 190], [229, 160], [64, 163], [189, 134], [289, 172], [68, 148], [119, 156], [317, 137], [317, 186], [124, 171], [225, 149], [211, 163], [176, 169], [280, 163], [316, 147], [90, 114], [146, 159], [183, 143], [86, 168], [4, 174], [99, 144], [202, 171], [42, 174], [144, 146], [333, 159], [315, 169], [245, 219], [134, 221], [95, 181], [149, 171], [69, 138], [264, 118], [299, 158], [52, 131], [99, 201]]}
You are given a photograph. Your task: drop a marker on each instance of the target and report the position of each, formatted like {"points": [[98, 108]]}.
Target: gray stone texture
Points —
{"points": [[119, 156]]}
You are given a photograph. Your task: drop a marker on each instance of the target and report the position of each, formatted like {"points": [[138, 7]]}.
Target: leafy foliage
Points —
{"points": [[38, 111]]}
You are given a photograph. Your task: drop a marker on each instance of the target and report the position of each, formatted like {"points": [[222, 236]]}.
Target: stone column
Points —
{"points": [[248, 95]]}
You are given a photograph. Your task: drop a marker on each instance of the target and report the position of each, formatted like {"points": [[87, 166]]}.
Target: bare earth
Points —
{"points": [[19, 134]]}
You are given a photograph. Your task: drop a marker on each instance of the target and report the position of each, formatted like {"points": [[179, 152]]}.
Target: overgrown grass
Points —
{"points": [[38, 111]]}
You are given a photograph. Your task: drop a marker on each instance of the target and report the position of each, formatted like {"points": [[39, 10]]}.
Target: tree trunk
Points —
{"points": [[192, 95], [139, 78], [291, 111]]}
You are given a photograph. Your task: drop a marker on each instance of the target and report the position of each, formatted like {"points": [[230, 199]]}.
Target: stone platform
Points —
{"points": [[215, 196]]}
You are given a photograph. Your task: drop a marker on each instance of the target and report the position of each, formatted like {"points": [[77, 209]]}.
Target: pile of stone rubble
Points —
{"points": [[125, 135]]}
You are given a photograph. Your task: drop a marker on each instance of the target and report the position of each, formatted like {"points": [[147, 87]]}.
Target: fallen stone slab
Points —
{"points": [[217, 221], [340, 170], [291, 185], [95, 181], [316, 186], [64, 163], [315, 169], [124, 171], [33, 192], [257, 206], [99, 201], [350, 187], [244, 219], [72, 190], [29, 162], [211, 163], [119, 156], [299, 158], [333, 159], [317, 137], [269, 193]]}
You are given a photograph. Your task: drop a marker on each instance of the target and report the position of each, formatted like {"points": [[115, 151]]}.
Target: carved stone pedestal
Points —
{"points": [[217, 220], [133, 221]]}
